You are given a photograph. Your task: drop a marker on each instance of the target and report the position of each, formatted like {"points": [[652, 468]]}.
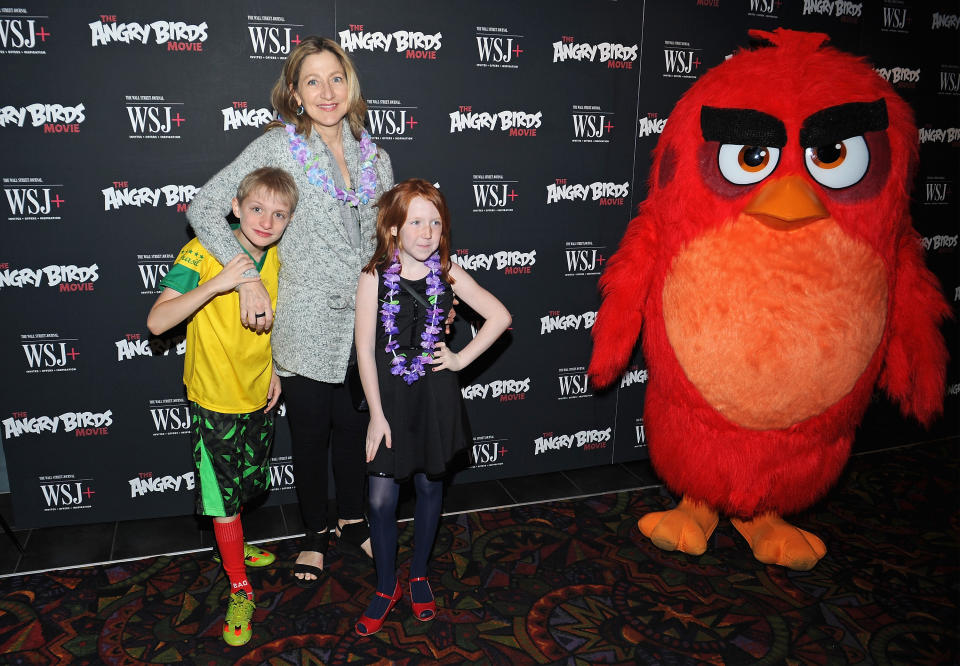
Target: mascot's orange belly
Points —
{"points": [[774, 327]]}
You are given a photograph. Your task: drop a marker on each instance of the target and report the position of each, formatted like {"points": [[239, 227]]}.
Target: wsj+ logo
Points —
{"points": [[937, 192], [573, 384], [494, 195], [281, 475], [20, 34], [66, 494], [152, 273], [31, 200], [764, 6], [498, 49], [170, 419], [949, 82], [681, 61], [391, 122], [486, 453], [584, 260], [153, 119], [590, 125], [895, 18], [271, 40], [48, 354]]}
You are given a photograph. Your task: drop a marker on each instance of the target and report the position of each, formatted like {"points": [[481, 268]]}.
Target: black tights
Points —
{"points": [[317, 409], [384, 492]]}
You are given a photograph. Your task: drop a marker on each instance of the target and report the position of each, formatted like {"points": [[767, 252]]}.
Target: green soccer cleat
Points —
{"points": [[252, 556], [238, 624], [257, 557]]}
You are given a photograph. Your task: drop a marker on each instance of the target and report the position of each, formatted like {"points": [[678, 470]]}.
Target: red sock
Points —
{"points": [[230, 542]]}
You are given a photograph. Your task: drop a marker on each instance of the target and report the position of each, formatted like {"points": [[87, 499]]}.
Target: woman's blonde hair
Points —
{"points": [[286, 104]]}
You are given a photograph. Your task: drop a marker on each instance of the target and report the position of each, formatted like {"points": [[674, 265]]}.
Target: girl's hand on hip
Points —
{"points": [[446, 359]]}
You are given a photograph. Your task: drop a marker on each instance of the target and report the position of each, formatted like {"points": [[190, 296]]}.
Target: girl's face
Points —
{"points": [[419, 236], [322, 89]]}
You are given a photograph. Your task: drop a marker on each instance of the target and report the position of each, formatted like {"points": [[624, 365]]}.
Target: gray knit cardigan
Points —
{"points": [[319, 268]]}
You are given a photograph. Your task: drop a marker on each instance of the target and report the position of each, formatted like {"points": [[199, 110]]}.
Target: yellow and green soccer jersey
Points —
{"points": [[227, 366]]}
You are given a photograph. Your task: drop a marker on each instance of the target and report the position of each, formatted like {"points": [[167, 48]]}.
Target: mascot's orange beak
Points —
{"points": [[787, 203]]}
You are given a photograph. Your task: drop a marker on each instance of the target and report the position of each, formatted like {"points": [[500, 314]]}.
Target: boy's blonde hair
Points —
{"points": [[275, 181]]}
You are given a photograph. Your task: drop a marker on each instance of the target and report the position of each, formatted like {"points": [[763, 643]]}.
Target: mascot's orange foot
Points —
{"points": [[775, 541], [686, 527]]}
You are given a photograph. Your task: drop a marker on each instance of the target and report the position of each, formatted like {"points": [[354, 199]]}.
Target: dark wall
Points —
{"points": [[113, 116]]}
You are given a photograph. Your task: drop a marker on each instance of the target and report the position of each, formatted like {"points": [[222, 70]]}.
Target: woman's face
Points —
{"points": [[322, 89]]}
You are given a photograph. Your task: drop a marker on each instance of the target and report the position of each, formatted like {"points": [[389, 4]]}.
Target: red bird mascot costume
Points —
{"points": [[777, 276]]}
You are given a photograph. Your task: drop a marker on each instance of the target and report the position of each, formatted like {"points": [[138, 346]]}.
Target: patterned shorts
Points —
{"points": [[232, 455]]}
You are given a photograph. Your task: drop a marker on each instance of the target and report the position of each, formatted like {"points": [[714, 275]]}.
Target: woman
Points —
{"points": [[319, 139]]}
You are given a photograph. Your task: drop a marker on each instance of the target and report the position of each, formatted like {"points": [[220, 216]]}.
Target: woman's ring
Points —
{"points": [[259, 314]]}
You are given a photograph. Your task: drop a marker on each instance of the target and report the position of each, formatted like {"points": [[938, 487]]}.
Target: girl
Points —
{"points": [[417, 421]]}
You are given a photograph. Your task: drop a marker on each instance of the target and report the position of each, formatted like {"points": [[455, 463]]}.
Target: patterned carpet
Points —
{"points": [[559, 583]]}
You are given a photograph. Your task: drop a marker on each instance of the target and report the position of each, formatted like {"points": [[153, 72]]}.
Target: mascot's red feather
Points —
{"points": [[777, 277]]}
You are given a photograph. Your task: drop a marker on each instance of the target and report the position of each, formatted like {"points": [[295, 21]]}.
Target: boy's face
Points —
{"points": [[263, 217]]}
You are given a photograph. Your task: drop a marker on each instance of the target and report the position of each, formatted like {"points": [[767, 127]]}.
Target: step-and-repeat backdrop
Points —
{"points": [[536, 118]]}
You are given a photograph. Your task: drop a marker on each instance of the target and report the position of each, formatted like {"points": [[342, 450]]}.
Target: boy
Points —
{"points": [[229, 375]]}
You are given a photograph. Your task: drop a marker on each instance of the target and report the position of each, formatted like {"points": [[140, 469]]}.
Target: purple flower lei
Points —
{"points": [[319, 177], [431, 330]]}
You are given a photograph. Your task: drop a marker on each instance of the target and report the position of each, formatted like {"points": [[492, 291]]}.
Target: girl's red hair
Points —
{"points": [[393, 205]]}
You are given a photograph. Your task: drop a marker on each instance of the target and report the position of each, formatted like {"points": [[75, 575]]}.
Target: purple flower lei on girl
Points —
{"points": [[317, 176], [431, 329]]}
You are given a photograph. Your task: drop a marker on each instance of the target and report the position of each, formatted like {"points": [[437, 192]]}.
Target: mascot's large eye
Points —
{"points": [[838, 165], [745, 165]]}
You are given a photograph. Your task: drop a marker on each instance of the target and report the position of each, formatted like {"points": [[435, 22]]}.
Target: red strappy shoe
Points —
{"points": [[368, 625], [427, 607]]}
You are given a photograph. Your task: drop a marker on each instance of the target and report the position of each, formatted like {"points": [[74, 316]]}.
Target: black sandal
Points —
{"points": [[354, 534], [316, 542]]}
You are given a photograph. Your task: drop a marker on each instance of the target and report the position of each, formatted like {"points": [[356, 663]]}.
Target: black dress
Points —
{"points": [[428, 422]]}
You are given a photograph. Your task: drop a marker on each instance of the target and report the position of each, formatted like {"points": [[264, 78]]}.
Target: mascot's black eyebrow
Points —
{"points": [[742, 126], [836, 123]]}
